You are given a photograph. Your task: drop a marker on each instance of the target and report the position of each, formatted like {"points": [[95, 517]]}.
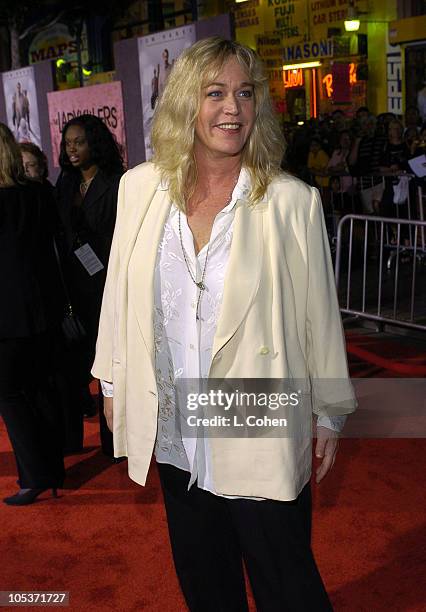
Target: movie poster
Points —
{"points": [[21, 105], [104, 101], [157, 53]]}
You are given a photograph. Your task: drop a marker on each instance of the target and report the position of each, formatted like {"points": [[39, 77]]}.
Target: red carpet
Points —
{"points": [[105, 539], [393, 356]]}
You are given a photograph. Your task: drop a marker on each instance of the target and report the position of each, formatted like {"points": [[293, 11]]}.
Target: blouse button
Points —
{"points": [[264, 350]]}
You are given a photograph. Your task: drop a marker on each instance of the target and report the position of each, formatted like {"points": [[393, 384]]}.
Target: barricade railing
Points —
{"points": [[369, 287], [364, 195]]}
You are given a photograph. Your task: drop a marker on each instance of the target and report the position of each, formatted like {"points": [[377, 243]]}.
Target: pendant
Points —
{"points": [[201, 286]]}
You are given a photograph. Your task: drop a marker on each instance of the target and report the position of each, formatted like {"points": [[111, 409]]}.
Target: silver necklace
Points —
{"points": [[84, 185], [200, 284]]}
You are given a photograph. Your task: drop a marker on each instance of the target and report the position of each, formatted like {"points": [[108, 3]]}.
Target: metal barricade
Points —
{"points": [[421, 196], [365, 195], [412, 209], [339, 199], [368, 286]]}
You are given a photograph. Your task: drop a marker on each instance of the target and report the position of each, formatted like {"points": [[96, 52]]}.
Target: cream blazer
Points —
{"points": [[279, 319]]}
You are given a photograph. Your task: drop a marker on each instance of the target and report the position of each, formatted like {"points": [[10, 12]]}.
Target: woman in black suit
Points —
{"points": [[86, 194], [27, 315]]}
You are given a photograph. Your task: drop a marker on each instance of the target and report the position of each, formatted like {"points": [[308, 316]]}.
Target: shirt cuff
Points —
{"points": [[107, 388], [336, 423]]}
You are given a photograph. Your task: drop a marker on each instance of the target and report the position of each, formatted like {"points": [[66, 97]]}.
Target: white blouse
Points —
{"points": [[183, 344]]}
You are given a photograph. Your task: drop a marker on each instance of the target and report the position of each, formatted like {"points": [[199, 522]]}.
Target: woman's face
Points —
{"points": [[77, 147], [31, 166], [227, 113], [395, 130]]}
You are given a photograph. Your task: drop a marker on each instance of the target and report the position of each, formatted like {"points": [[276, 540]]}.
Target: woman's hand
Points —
{"points": [[325, 450], [108, 411]]}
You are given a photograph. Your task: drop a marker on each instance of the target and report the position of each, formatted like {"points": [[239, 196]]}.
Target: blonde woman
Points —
{"points": [[220, 269], [27, 314]]}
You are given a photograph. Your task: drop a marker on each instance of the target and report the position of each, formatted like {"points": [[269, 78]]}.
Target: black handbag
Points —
{"points": [[72, 328]]}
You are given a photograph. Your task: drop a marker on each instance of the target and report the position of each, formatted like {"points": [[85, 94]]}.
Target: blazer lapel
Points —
{"points": [[243, 273], [96, 190], [142, 265]]}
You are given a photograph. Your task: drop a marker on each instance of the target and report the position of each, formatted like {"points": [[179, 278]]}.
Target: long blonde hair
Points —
{"points": [[173, 130], [11, 168]]}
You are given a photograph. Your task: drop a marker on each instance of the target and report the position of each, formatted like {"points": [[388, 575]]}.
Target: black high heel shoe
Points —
{"points": [[24, 499]]}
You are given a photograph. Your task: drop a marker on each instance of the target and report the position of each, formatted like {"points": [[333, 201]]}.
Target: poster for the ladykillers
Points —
{"points": [[21, 104], [157, 53], [105, 101]]}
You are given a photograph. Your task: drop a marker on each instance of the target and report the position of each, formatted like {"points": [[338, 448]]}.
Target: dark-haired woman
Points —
{"points": [[27, 315], [87, 200]]}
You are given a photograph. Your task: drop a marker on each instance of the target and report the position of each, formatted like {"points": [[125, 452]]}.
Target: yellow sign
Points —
{"points": [[269, 48], [326, 14], [407, 30], [288, 18], [249, 15]]}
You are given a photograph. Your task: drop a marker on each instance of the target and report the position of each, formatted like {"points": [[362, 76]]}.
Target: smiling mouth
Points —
{"points": [[229, 127], [73, 158]]}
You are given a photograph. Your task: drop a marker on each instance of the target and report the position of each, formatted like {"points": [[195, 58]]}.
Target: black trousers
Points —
{"points": [[28, 409], [211, 536]]}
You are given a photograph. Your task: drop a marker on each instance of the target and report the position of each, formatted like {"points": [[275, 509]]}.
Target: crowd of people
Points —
{"points": [[357, 161]]}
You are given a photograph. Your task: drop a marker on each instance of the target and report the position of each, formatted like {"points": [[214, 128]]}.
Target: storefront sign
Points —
{"points": [[328, 81], [269, 48], [309, 50], [248, 15], [328, 13], [57, 42], [293, 78], [104, 101], [394, 79], [287, 18], [410, 29]]}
